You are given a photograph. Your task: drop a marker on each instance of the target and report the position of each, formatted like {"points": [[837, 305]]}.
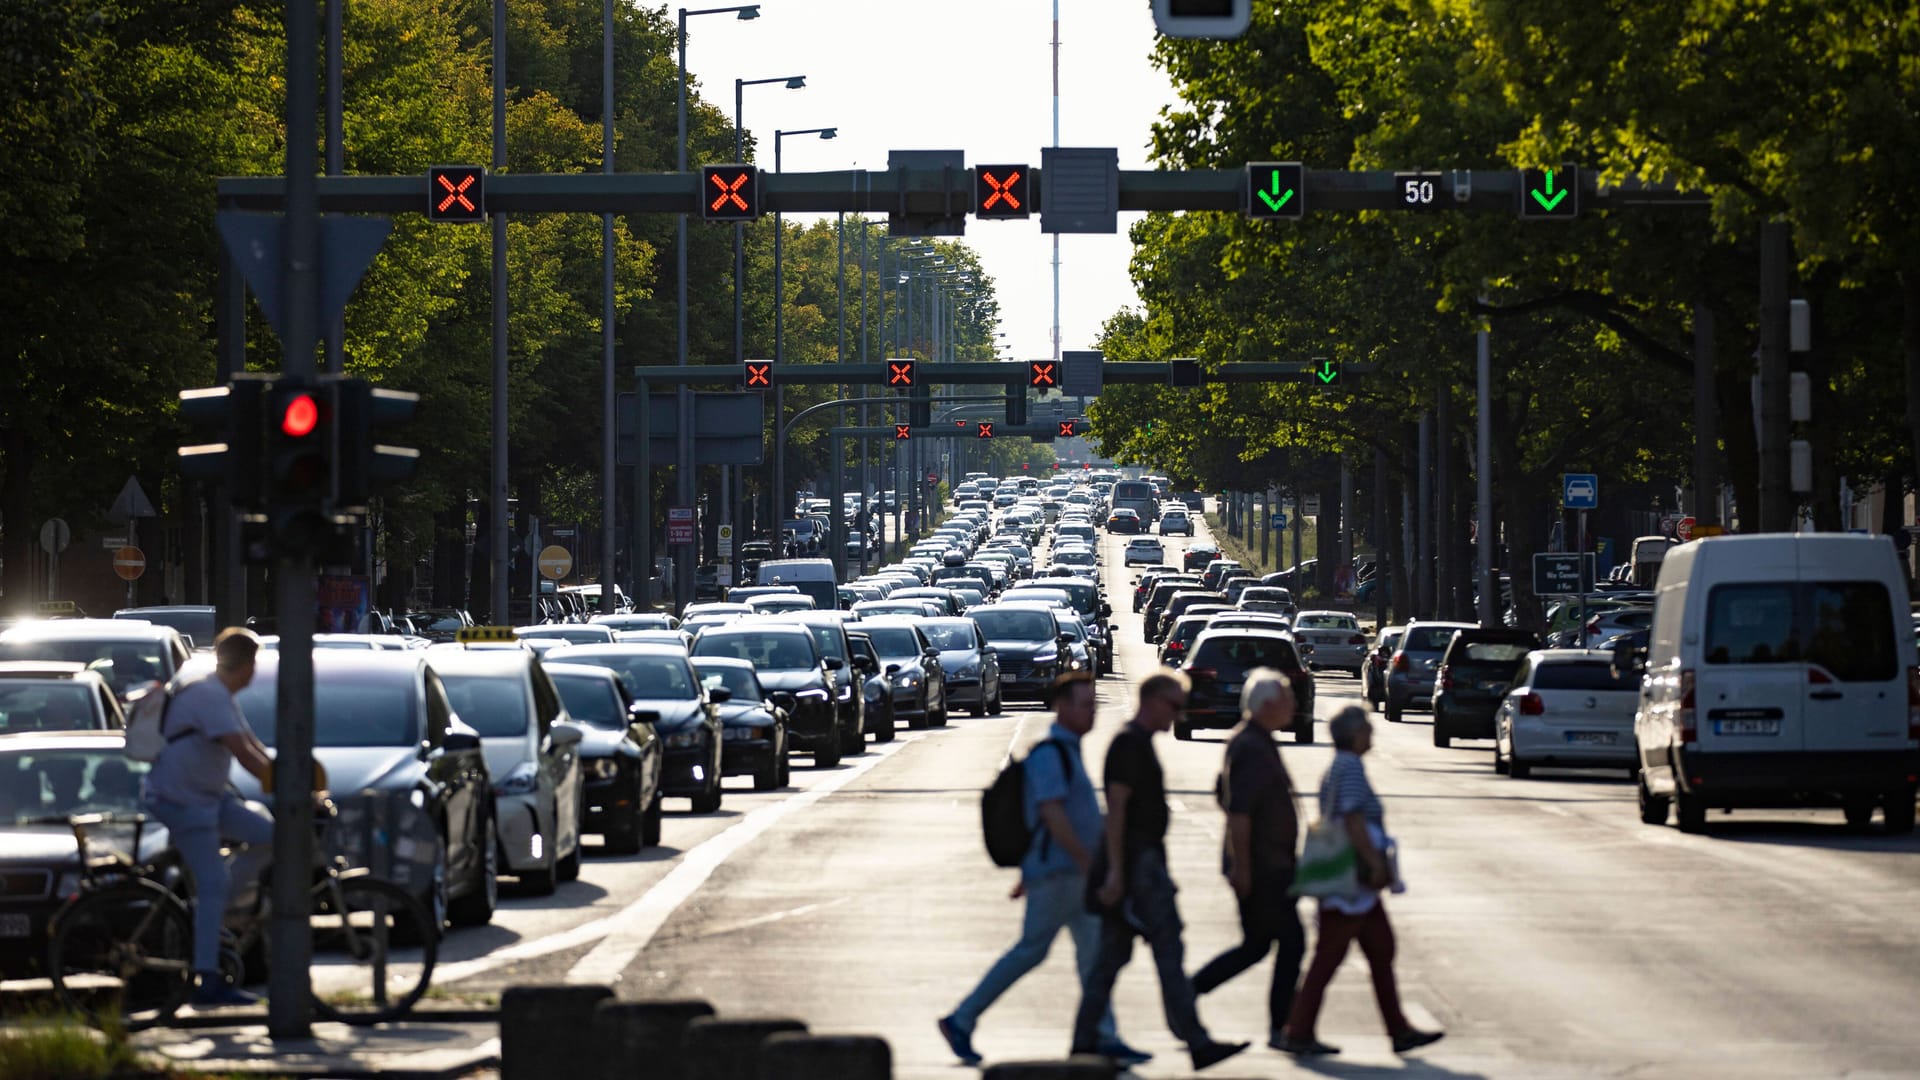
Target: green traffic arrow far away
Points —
{"points": [[1328, 372], [1276, 200], [1543, 200]]}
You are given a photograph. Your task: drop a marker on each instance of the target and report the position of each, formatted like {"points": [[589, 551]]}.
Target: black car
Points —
{"points": [[794, 675], [873, 685], [620, 755], [830, 637], [1478, 667], [1028, 643], [384, 727], [1198, 556], [661, 680], [754, 730], [1217, 668], [915, 676]]}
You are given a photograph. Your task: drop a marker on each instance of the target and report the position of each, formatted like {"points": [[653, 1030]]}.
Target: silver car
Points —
{"points": [[1569, 707], [1411, 673], [1334, 639], [971, 664]]}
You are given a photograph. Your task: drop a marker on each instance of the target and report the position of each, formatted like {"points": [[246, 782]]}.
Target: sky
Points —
{"points": [[972, 75]]}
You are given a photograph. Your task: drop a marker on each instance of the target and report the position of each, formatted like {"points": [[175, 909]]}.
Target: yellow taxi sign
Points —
{"points": [[472, 635], [1702, 531], [57, 607]]}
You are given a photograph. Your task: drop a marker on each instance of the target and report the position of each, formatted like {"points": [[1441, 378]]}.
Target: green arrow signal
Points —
{"points": [[1328, 372], [1546, 203], [1276, 200]]}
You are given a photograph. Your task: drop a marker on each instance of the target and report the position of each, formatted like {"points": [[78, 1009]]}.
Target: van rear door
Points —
{"points": [[1856, 694], [1750, 688]]}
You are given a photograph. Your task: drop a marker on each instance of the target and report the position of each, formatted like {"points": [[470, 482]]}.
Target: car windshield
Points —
{"points": [[198, 625], [493, 705], [588, 700], [1328, 622], [1492, 654], [1433, 639], [57, 783], [737, 681], [767, 652], [1075, 556], [347, 711], [124, 664], [893, 641], [572, 635], [948, 636], [1234, 655], [1008, 625], [44, 705], [827, 640]]}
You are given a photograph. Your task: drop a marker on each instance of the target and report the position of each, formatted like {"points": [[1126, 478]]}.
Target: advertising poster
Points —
{"points": [[344, 603]]}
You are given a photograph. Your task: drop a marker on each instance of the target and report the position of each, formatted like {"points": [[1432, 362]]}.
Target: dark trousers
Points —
{"points": [[1268, 917], [1147, 910], [1337, 931]]}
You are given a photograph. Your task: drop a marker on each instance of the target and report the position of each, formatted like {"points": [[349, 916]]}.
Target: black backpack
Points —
{"points": [[1003, 811]]}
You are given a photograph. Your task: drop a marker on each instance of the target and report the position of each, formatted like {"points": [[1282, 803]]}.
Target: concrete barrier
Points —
{"points": [[644, 1038], [1078, 1067], [547, 1031], [795, 1056], [730, 1049]]}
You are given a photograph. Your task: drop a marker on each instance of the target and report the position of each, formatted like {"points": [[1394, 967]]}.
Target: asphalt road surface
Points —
{"points": [[1546, 929]]}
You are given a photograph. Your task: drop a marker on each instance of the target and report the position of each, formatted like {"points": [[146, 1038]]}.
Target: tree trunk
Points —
{"points": [[1735, 388], [1910, 341], [16, 517]]}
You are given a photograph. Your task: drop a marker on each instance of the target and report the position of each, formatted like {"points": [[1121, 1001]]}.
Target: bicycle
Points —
{"points": [[122, 945]]}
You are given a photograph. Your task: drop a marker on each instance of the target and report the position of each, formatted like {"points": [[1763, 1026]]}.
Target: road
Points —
{"points": [[1545, 928]]}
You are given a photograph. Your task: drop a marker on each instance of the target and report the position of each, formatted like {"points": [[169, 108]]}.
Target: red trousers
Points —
{"points": [[1337, 931]]}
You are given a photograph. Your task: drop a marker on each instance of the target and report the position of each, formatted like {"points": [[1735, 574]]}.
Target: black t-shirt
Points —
{"points": [[1131, 761]]}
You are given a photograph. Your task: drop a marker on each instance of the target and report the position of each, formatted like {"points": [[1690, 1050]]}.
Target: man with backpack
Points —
{"points": [[1061, 816]]}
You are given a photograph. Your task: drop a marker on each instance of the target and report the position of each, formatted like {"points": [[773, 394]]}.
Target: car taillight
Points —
{"points": [[1446, 678], [1401, 663], [1913, 703], [1203, 673], [1176, 646], [1593, 625], [1531, 705], [1689, 730], [1357, 639]]}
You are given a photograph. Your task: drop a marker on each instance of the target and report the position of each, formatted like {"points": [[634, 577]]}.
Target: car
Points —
{"points": [[1143, 589], [972, 666], [1175, 521], [915, 676], [1124, 520], [567, 633], [1085, 599], [829, 636], [1027, 640], [128, 654], [783, 604], [1182, 632], [1267, 598], [1567, 707], [1373, 671], [1334, 639], [1617, 621], [197, 623], [660, 679], [1472, 680], [1215, 570], [620, 756], [45, 695], [1080, 561], [814, 577], [385, 726], [753, 729], [1411, 673], [1782, 673], [1216, 667], [533, 756], [875, 690], [1180, 604], [1198, 556], [1144, 549], [740, 594], [636, 620], [795, 675]]}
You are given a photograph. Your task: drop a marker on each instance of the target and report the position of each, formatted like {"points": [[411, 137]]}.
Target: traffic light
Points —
{"points": [[758, 375], [301, 436], [231, 415], [1325, 372], [1069, 429], [1002, 191], [1043, 375], [729, 192], [1276, 189], [456, 194], [1183, 373], [986, 429], [1550, 194], [1202, 18], [902, 432], [365, 465], [900, 374]]}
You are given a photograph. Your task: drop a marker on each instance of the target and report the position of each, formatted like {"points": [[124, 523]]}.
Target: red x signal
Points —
{"points": [[1067, 429], [1042, 374], [986, 430], [1001, 191], [456, 193], [759, 374], [902, 431], [729, 192], [899, 373]]}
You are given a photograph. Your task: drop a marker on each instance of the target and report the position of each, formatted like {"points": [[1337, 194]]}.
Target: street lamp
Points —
{"points": [[781, 505]]}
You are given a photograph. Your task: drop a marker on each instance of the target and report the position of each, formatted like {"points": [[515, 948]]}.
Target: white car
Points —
{"points": [[1335, 640], [1145, 549], [1568, 707]]}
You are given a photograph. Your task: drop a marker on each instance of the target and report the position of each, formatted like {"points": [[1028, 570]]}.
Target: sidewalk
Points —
{"points": [[429, 1045]]}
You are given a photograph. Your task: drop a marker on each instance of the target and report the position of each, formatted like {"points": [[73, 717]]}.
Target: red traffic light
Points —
{"points": [[759, 374], [1002, 191], [986, 429], [456, 193], [1067, 429], [1043, 374], [729, 192], [900, 373], [300, 416], [1024, 466], [902, 431]]}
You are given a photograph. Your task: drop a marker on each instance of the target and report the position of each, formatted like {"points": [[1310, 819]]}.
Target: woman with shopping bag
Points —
{"points": [[1348, 859]]}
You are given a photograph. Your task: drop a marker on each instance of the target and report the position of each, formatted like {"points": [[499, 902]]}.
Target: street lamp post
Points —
{"points": [[781, 504]]}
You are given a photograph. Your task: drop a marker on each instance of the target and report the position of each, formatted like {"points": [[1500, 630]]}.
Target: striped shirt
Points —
{"points": [[1346, 790]]}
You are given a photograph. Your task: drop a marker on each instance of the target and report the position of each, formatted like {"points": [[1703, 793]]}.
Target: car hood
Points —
{"points": [[745, 714], [1024, 650], [52, 847], [599, 742], [790, 681], [675, 713], [354, 768], [505, 753], [959, 659]]}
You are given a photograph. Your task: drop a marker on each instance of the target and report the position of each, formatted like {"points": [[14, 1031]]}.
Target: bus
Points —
{"points": [[1138, 496]]}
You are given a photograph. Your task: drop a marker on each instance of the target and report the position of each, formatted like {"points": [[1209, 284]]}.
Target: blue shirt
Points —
{"points": [[1048, 782], [192, 769]]}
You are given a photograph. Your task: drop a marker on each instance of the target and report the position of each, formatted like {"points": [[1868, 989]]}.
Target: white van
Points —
{"points": [[1644, 559], [813, 577], [1780, 673]]}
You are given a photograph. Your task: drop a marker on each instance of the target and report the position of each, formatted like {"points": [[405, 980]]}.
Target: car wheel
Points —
{"points": [[708, 801], [1897, 811], [1692, 812], [1499, 759], [997, 706], [767, 776], [978, 708], [477, 907], [1858, 810], [1304, 736], [1393, 713], [886, 732], [626, 837], [1653, 808], [939, 718], [650, 824], [827, 757], [786, 762], [1441, 738], [541, 882], [434, 903], [1518, 769]]}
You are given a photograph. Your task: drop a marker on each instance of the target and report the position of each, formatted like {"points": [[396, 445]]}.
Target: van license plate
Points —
{"points": [[1746, 727], [1592, 738], [15, 926]]}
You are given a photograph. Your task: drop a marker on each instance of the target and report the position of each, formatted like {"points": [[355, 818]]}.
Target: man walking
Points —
{"points": [[1135, 894], [1064, 815], [1262, 830]]}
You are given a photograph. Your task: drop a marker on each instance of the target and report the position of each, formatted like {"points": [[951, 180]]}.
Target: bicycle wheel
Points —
{"points": [[363, 919], [123, 952]]}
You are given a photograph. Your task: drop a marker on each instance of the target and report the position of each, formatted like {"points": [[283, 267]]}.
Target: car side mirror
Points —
{"points": [[893, 669], [459, 741], [1628, 660], [564, 735], [834, 663], [866, 664], [1106, 610], [719, 695], [930, 653], [638, 715]]}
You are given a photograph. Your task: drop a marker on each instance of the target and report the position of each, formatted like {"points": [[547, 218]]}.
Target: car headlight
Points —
{"points": [[680, 740], [816, 693], [602, 768], [524, 778], [1046, 658], [744, 734], [906, 679], [970, 671]]}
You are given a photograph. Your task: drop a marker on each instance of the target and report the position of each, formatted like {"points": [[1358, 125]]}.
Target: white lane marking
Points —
{"points": [[629, 931], [772, 917]]}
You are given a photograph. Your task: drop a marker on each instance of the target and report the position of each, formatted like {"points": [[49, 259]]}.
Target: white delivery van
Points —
{"points": [[1644, 559], [813, 577], [1780, 673]]}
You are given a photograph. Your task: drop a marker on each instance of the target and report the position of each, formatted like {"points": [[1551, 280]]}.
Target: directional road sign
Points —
{"points": [[1276, 189], [1550, 194], [1580, 491], [1560, 573]]}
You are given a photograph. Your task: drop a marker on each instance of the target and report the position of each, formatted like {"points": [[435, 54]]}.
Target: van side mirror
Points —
{"points": [[1628, 660]]}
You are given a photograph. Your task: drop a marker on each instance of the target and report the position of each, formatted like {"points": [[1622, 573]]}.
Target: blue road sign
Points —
{"points": [[1581, 491], [1278, 521]]}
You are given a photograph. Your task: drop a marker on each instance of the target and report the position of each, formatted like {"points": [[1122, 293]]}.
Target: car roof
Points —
{"points": [[479, 661], [40, 669], [104, 739], [97, 629], [579, 671], [1551, 656], [617, 649], [721, 662], [1328, 611], [340, 662]]}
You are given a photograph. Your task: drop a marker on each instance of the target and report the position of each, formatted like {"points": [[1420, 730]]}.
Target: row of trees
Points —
{"points": [[122, 115], [1804, 110]]}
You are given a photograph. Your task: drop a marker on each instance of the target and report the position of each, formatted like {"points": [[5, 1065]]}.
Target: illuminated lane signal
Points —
{"points": [[758, 375], [1043, 374], [1002, 191], [1276, 189], [903, 432], [456, 194], [900, 374], [729, 192], [1069, 429], [986, 429], [1550, 194]]}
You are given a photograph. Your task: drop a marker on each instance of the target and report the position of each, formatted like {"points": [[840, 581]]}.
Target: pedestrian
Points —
{"points": [[1258, 854], [1348, 800], [187, 791], [1130, 886], [1064, 814]]}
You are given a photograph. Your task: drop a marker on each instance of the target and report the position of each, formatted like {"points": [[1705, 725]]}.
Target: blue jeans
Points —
{"points": [[1147, 910], [196, 830], [1053, 902]]}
